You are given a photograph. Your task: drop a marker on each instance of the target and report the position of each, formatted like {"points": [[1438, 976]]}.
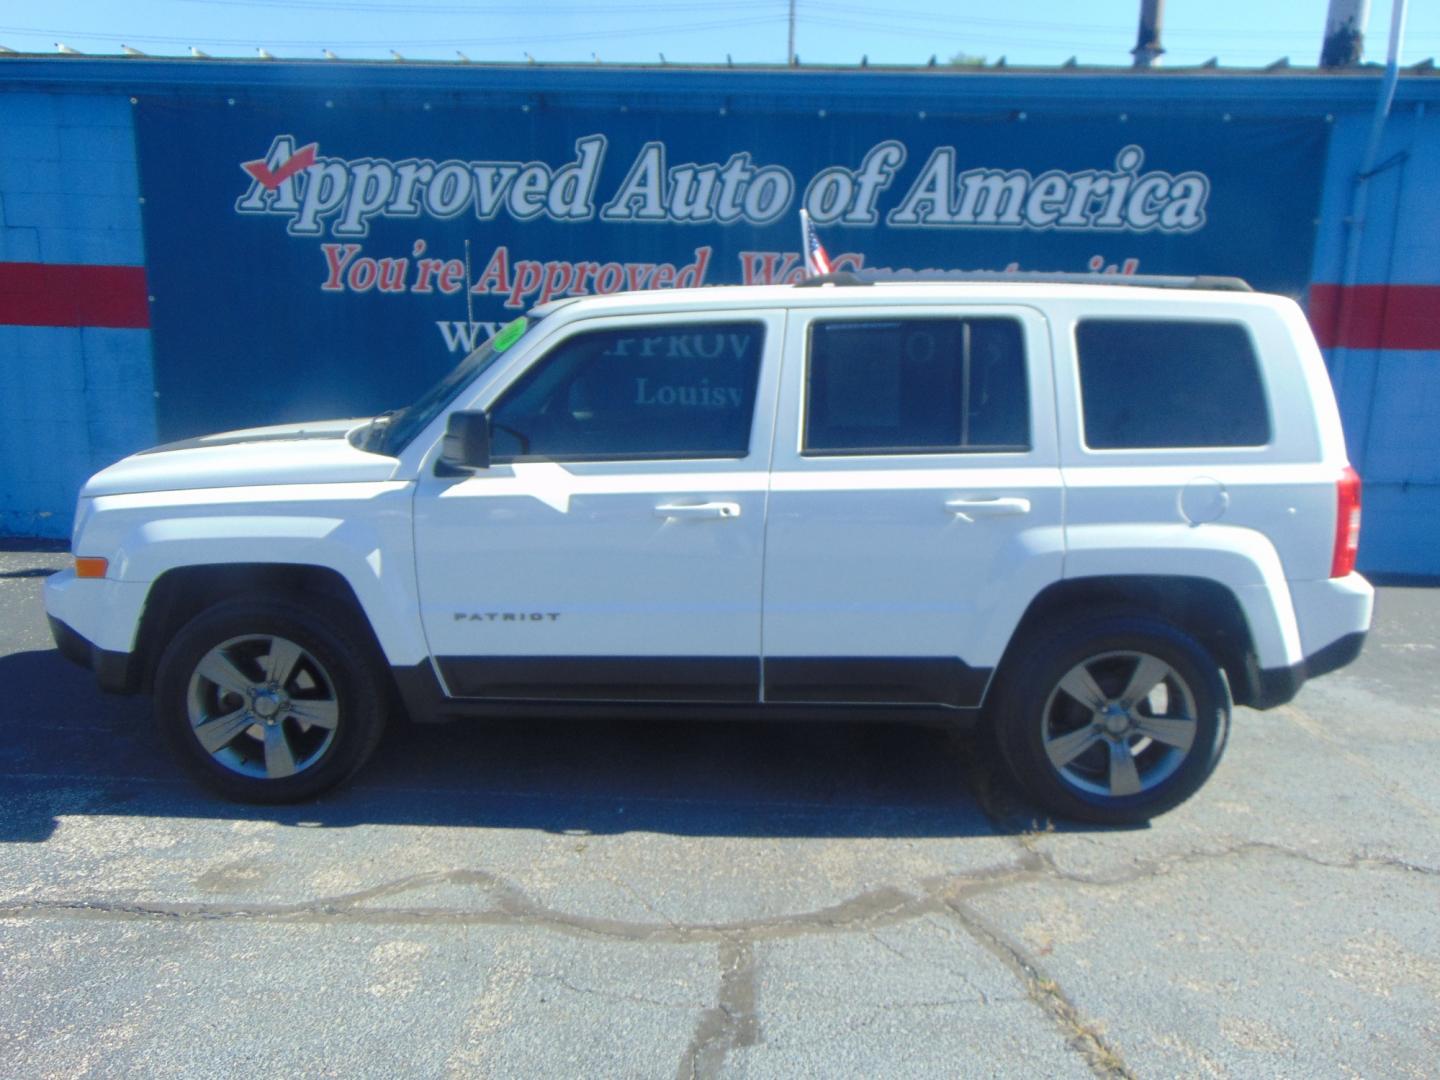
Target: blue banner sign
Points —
{"points": [[320, 262]]}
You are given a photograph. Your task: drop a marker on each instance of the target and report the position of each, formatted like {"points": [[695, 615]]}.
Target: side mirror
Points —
{"points": [[466, 446]]}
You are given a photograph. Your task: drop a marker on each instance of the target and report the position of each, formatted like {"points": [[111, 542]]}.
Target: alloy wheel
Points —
{"points": [[262, 706], [1119, 724]]}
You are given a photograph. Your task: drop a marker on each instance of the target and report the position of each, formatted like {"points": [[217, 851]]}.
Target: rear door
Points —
{"points": [[915, 505]]}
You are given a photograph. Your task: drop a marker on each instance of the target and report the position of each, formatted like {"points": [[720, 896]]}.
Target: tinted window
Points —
{"points": [[917, 386], [1155, 384], [677, 390]]}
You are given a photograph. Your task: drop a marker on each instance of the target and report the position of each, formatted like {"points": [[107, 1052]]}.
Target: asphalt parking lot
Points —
{"points": [[677, 900]]}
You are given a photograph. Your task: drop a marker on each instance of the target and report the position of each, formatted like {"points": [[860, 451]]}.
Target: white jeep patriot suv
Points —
{"points": [[1093, 515]]}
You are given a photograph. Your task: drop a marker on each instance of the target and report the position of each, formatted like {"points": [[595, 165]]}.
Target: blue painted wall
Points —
{"points": [[74, 399], [1389, 398]]}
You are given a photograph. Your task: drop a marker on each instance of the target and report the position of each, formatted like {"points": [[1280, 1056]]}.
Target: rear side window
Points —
{"points": [[918, 386], [676, 390], [1154, 384]]}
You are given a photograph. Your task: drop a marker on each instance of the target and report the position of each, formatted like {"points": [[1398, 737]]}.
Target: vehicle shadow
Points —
{"points": [[67, 749], [31, 544]]}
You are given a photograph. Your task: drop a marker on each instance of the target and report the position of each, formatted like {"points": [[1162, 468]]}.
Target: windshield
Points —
{"points": [[393, 431]]}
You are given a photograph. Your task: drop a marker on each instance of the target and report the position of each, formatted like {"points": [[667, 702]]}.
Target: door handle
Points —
{"points": [[970, 509], [698, 510]]}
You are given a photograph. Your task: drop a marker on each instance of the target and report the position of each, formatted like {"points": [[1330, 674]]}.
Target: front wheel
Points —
{"points": [[1113, 720], [267, 701]]}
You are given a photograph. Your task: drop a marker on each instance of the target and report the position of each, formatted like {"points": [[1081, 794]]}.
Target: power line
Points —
{"points": [[906, 31], [967, 30], [813, 9], [987, 38], [821, 8], [445, 42], [825, 8], [389, 7]]}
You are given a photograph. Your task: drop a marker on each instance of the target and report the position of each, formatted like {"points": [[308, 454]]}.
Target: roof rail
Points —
{"points": [[835, 277], [1034, 277]]}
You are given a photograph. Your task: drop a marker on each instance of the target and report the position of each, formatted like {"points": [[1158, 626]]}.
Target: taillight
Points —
{"points": [[1347, 523]]}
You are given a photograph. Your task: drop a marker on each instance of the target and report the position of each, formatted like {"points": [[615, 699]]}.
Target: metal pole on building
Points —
{"points": [[1344, 33], [1355, 223], [790, 44], [1147, 44]]}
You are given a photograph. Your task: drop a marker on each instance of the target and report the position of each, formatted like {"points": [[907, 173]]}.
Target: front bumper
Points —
{"points": [[93, 622], [117, 672]]}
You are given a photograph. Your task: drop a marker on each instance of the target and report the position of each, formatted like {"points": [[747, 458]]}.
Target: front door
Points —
{"points": [[916, 502], [612, 551]]}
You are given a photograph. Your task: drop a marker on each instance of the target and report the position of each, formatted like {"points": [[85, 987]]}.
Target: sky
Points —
{"points": [[1241, 33]]}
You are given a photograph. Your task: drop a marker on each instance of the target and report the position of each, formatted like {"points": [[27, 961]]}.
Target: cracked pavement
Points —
{"points": [[719, 900]]}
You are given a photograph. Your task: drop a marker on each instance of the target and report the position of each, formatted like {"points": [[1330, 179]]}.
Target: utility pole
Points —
{"points": [[1147, 43], [790, 45], [1344, 33]]}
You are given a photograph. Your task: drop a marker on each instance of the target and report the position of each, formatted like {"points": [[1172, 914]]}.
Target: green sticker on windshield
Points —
{"points": [[508, 334]]}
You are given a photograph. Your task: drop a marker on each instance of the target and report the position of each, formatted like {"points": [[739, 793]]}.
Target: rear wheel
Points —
{"points": [[1114, 719], [267, 701]]}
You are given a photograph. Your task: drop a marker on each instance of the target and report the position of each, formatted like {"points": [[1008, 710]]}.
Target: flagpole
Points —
{"points": [[817, 259]]}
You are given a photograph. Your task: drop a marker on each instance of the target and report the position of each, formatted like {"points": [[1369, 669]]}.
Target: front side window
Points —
{"points": [[675, 390], [1166, 383], [919, 386]]}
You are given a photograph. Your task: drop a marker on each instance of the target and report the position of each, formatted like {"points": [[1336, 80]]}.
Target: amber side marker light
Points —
{"points": [[90, 567]]}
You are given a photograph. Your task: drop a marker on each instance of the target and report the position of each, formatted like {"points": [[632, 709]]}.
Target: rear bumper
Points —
{"points": [[1333, 616], [1277, 686], [117, 672]]}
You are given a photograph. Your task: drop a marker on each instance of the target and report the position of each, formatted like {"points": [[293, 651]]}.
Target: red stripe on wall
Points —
{"points": [[58, 294], [1378, 316]]}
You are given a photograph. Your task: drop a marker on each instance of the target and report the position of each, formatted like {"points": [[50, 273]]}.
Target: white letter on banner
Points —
{"points": [[645, 185], [1187, 212], [877, 172], [450, 191], [768, 196], [573, 188], [733, 180], [691, 190], [1127, 163], [1046, 199], [370, 185], [829, 194], [527, 194], [492, 180], [325, 184], [280, 199], [992, 197], [928, 201]]}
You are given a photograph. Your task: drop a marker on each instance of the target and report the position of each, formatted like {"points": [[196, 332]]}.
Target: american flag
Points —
{"points": [[816, 261]]}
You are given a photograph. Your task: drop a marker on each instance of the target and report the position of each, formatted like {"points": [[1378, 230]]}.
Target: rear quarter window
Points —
{"points": [[1159, 384]]}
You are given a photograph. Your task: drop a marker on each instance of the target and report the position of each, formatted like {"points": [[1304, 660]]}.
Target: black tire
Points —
{"points": [[1034, 709], [336, 678]]}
